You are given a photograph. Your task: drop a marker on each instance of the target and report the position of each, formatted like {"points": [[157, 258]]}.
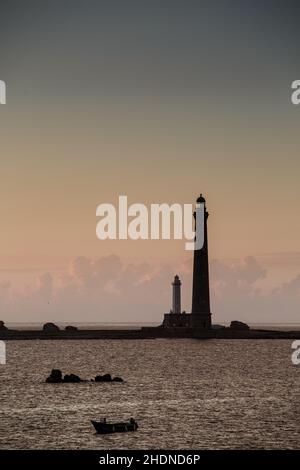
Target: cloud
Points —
{"points": [[290, 289], [248, 272], [44, 286], [109, 290], [5, 293], [237, 294]]}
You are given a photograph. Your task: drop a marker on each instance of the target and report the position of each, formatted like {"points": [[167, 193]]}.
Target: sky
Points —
{"points": [[158, 101]]}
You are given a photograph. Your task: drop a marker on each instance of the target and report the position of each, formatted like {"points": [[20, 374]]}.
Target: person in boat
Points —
{"points": [[103, 420]]}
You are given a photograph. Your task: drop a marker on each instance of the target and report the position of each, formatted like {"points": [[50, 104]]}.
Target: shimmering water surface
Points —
{"points": [[185, 393]]}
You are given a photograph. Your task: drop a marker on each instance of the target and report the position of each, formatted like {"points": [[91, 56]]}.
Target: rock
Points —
{"points": [[72, 378], [55, 376], [103, 378], [239, 325], [2, 326], [51, 327], [71, 328], [107, 378]]}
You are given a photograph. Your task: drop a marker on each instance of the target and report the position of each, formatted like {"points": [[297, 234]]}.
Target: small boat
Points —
{"points": [[102, 427]]}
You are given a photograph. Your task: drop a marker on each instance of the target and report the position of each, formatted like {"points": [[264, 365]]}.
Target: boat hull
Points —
{"points": [[110, 428]]}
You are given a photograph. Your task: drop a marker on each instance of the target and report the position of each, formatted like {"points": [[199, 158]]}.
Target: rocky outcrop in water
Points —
{"points": [[239, 325], [103, 378], [72, 378], [107, 378], [50, 327], [2, 326], [71, 328], [56, 377]]}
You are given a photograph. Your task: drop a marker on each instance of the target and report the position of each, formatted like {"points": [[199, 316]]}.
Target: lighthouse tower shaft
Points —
{"points": [[201, 315]]}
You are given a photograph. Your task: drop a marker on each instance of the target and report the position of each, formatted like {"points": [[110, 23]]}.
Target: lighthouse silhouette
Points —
{"points": [[200, 316]]}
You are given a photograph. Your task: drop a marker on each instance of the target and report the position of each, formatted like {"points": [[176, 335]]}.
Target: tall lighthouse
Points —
{"points": [[201, 315]]}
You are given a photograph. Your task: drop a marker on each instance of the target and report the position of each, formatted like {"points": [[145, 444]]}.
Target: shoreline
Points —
{"points": [[147, 333]]}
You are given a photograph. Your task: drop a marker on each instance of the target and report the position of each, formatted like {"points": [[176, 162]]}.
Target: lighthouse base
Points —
{"points": [[187, 320], [200, 320], [176, 320]]}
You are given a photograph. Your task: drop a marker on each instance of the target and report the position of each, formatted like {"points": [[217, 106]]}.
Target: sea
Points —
{"points": [[184, 394]]}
